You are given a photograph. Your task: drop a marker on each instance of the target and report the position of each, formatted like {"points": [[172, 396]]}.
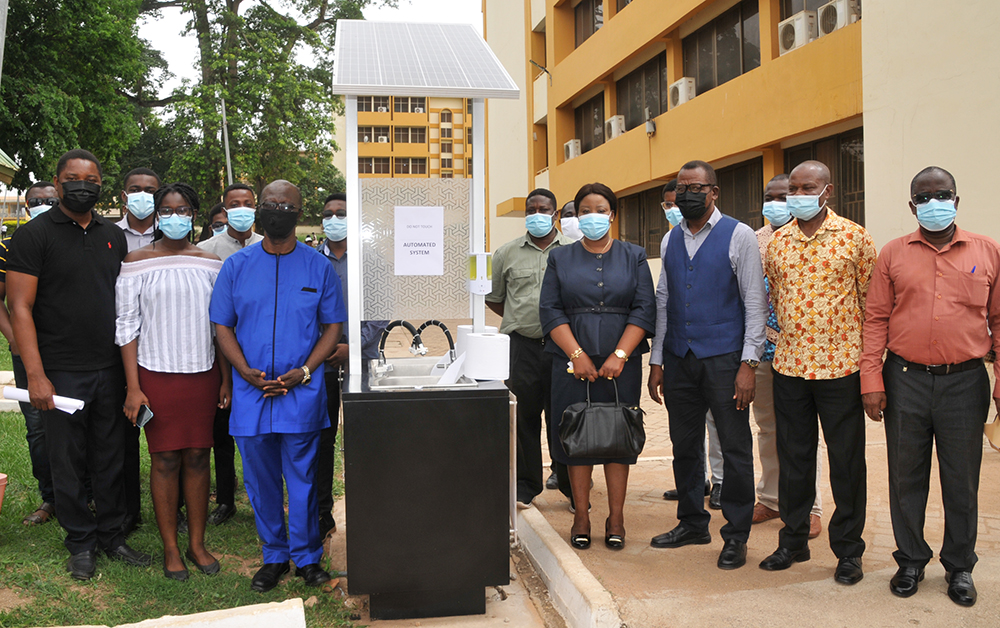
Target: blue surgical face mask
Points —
{"points": [[805, 206], [673, 215], [37, 211], [935, 215], [335, 228], [175, 227], [594, 226], [140, 204], [776, 213], [539, 225], [571, 227], [241, 218], [218, 230]]}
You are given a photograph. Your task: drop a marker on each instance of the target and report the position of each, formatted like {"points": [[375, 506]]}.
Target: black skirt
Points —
{"points": [[567, 390]]}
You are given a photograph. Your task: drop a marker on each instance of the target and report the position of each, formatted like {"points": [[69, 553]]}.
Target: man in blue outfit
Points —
{"points": [[715, 307], [278, 312]]}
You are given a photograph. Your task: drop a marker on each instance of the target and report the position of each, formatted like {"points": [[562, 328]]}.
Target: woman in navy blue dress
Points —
{"points": [[597, 307]]}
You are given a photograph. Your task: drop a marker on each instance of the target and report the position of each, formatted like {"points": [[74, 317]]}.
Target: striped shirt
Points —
{"points": [[163, 301]]}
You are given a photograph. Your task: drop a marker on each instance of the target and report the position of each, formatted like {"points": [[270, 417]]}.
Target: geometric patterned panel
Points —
{"points": [[415, 298]]}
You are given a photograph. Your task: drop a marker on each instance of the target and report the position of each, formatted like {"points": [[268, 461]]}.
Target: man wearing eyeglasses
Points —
{"points": [[39, 198], [819, 266], [278, 312], [710, 315], [934, 304]]}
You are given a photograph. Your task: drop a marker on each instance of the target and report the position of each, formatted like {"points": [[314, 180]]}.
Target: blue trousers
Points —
{"points": [[267, 458]]}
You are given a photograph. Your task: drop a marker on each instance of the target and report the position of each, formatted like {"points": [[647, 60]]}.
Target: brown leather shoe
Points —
{"points": [[762, 513], [815, 526], [44, 513]]}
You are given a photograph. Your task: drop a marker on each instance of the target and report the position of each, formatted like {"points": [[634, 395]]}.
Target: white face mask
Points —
{"points": [[571, 227]]}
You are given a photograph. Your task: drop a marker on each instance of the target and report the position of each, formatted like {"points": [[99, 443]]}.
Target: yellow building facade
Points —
{"points": [[414, 137], [626, 91]]}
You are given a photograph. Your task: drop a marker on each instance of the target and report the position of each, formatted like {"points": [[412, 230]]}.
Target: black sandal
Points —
{"points": [[580, 541], [613, 541]]}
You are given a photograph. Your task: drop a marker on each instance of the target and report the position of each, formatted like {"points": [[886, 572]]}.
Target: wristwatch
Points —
{"points": [[621, 354], [308, 376], [752, 363]]}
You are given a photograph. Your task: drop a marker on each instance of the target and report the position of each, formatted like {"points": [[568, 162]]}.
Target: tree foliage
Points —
{"points": [[76, 73]]}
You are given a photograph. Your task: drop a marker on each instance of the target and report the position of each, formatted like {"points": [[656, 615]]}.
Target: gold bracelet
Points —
{"points": [[577, 353]]}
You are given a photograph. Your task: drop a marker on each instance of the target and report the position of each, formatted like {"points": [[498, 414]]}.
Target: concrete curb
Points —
{"points": [[287, 614], [575, 592]]}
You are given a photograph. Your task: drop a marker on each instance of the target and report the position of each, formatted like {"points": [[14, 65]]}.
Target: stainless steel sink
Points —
{"points": [[413, 373]]}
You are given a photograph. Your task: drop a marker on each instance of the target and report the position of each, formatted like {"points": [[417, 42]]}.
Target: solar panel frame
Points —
{"points": [[407, 59]]}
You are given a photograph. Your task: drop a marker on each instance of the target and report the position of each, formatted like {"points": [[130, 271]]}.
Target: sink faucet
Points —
{"points": [[451, 343], [416, 345]]}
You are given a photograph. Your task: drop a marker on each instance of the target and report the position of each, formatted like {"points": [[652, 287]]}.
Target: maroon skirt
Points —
{"points": [[183, 406]]}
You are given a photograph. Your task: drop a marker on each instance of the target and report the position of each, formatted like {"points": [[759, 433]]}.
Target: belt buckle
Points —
{"points": [[935, 366]]}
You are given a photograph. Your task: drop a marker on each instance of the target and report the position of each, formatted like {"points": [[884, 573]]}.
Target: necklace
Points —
{"points": [[604, 250]]}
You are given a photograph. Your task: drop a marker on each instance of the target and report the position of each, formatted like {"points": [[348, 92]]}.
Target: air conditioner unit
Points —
{"points": [[418, 110], [383, 110], [681, 91], [837, 14], [613, 127], [797, 31], [383, 139], [571, 149]]}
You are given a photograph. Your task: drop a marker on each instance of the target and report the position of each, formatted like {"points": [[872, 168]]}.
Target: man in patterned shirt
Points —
{"points": [[819, 267], [776, 211]]}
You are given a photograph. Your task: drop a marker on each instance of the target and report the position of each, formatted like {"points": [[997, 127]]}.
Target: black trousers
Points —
{"points": [[948, 411], [531, 382], [838, 402], [224, 452], [692, 387], [89, 442], [328, 443]]}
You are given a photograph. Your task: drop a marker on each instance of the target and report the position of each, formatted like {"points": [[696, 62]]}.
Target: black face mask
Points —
{"points": [[80, 196], [278, 224], [692, 204]]}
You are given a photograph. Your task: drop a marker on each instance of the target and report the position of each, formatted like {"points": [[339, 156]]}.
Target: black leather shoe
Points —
{"points": [[715, 501], [849, 571], [130, 523], [179, 576], [904, 583], [81, 566], [681, 536], [314, 575], [782, 558], [671, 495], [734, 555], [580, 541], [961, 589], [129, 556], [552, 482], [209, 570], [222, 514], [267, 577]]}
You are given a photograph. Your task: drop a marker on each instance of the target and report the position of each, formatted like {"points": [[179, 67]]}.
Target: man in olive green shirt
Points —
{"points": [[518, 269]]}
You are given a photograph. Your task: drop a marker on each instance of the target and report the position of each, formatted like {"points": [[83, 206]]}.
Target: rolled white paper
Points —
{"points": [[465, 330], [66, 404], [487, 356]]}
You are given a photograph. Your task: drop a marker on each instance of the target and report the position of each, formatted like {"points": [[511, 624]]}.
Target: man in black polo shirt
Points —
{"points": [[61, 277]]}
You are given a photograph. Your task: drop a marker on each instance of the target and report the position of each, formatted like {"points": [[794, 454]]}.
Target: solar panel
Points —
{"points": [[395, 58]]}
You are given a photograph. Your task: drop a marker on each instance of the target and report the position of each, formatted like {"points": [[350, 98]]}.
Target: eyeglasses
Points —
{"points": [[695, 187], [184, 210], [666, 205], [940, 195], [215, 226], [281, 207], [35, 202]]}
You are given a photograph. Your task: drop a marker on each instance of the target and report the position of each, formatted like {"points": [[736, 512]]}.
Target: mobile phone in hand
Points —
{"points": [[145, 414]]}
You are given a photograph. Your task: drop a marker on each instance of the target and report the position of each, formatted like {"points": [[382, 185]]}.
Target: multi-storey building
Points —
{"points": [[626, 91], [406, 136]]}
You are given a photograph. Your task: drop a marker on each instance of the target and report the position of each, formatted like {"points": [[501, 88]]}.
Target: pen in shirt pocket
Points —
{"points": [[973, 270]]}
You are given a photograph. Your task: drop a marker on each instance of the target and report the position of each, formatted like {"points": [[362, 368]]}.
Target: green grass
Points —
{"points": [[5, 361], [32, 562]]}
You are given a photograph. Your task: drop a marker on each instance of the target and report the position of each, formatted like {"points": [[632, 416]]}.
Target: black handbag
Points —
{"points": [[602, 429]]}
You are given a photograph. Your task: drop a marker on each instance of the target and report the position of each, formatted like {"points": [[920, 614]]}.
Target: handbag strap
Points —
{"points": [[613, 381]]}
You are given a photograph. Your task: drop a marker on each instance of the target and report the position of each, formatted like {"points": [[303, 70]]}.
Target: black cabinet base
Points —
{"points": [[417, 604]]}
